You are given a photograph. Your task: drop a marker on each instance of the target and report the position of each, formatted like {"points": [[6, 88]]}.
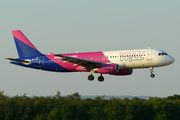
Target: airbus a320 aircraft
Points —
{"points": [[107, 62]]}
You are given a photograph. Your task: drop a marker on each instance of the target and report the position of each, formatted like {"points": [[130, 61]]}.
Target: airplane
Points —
{"points": [[119, 63]]}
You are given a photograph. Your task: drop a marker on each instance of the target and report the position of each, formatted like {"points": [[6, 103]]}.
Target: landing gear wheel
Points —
{"points": [[100, 78], [152, 75], [151, 70], [91, 77]]}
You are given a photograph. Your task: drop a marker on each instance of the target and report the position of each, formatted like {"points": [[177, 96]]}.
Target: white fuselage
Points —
{"points": [[142, 58]]}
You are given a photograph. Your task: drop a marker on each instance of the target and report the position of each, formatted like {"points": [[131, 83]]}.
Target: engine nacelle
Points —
{"points": [[107, 69], [123, 72]]}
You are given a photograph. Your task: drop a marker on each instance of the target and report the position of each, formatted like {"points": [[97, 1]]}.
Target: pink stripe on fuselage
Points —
{"points": [[87, 56], [94, 56], [69, 66], [20, 36]]}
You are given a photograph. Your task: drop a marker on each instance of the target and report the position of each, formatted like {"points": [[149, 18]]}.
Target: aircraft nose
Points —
{"points": [[171, 60]]}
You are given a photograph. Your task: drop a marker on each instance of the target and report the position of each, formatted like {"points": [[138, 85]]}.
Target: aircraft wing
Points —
{"points": [[83, 62]]}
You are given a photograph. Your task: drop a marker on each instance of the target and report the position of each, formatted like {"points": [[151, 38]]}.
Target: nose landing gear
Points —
{"points": [[151, 70], [152, 75]]}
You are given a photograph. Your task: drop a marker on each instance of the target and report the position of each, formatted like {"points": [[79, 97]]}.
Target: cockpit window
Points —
{"points": [[162, 54]]}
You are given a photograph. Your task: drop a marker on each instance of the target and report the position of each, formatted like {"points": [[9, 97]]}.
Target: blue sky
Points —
{"points": [[67, 26]]}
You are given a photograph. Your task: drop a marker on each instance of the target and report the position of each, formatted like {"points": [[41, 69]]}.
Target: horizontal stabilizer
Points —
{"points": [[22, 61]]}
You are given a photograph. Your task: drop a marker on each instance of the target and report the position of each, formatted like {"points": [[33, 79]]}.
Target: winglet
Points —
{"points": [[52, 54]]}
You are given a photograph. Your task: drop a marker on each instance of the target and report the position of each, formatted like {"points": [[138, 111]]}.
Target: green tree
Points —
{"points": [[115, 110]]}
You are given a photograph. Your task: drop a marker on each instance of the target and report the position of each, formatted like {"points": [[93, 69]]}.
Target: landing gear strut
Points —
{"points": [[151, 70], [91, 77], [101, 78]]}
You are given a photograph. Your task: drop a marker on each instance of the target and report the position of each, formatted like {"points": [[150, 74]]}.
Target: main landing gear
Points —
{"points": [[151, 70], [91, 77], [100, 78]]}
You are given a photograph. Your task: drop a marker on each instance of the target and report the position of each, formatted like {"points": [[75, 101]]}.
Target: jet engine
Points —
{"points": [[123, 72], [107, 69]]}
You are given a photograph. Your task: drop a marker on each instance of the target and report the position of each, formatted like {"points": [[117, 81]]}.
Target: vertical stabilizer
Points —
{"points": [[24, 47]]}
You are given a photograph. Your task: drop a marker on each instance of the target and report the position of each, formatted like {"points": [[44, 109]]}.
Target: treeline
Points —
{"points": [[72, 107]]}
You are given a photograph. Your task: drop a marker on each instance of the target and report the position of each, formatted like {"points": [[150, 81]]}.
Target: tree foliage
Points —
{"points": [[73, 107]]}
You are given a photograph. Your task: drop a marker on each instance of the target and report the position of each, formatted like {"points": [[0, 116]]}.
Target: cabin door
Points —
{"points": [[149, 55]]}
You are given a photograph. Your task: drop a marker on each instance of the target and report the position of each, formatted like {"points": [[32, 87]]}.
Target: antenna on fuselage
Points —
{"points": [[149, 48], [76, 51]]}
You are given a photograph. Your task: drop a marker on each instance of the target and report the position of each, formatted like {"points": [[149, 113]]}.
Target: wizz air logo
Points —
{"points": [[132, 56]]}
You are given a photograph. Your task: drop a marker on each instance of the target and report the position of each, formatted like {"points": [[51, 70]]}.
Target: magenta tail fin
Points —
{"points": [[24, 47]]}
